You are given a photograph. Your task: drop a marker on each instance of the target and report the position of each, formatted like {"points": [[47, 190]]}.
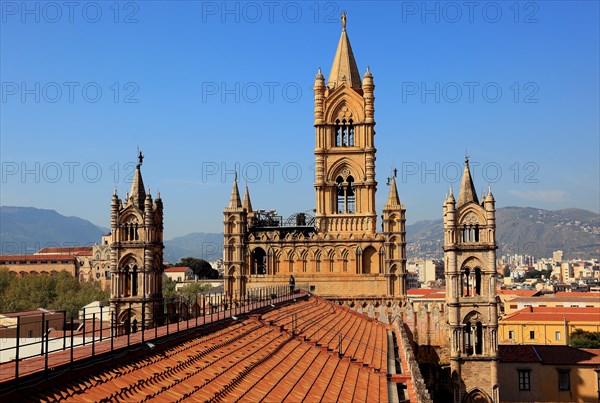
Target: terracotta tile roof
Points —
{"points": [[520, 293], [427, 293], [551, 355], [557, 298], [595, 295], [70, 250], [178, 269], [291, 353], [35, 258], [554, 314]]}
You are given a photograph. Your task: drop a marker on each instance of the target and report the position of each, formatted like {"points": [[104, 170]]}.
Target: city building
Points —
{"points": [[560, 299], [549, 374], [546, 325], [179, 274]]}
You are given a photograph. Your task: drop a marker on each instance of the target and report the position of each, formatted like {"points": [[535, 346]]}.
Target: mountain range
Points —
{"points": [[520, 230]]}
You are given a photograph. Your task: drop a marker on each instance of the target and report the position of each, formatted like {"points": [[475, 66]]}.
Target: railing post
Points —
{"points": [[42, 334], [178, 313], [94, 334], [143, 319], [47, 337], [64, 330], [197, 313], [129, 324], [113, 328], [101, 317], [18, 347], [72, 339], [84, 326], [154, 320]]}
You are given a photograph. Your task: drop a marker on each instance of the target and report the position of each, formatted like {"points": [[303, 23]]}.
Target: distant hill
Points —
{"points": [[203, 245], [522, 230], [25, 230]]}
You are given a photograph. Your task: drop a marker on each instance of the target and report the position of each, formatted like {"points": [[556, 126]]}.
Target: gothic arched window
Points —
{"points": [[477, 281], [346, 199], [344, 133]]}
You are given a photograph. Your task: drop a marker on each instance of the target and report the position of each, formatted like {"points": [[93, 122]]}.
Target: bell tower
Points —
{"points": [[345, 151], [470, 258], [136, 256], [235, 223]]}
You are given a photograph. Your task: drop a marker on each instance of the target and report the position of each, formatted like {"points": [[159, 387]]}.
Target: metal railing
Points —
{"points": [[105, 330]]}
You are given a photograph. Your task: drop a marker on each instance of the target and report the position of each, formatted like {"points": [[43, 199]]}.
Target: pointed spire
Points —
{"points": [[490, 196], [234, 200], [467, 189], [138, 193], [319, 74], [393, 198], [247, 204], [344, 67]]}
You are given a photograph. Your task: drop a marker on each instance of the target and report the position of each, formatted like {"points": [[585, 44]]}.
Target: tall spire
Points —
{"points": [[234, 200], [138, 194], [344, 67], [247, 204], [467, 189], [393, 198]]}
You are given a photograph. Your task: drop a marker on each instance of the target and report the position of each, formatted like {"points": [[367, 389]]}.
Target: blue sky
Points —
{"points": [[205, 87]]}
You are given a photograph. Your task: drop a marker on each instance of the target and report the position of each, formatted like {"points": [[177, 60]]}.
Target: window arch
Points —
{"points": [[344, 133], [346, 198]]}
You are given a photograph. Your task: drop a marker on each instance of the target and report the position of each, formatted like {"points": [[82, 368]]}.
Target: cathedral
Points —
{"points": [[338, 252]]}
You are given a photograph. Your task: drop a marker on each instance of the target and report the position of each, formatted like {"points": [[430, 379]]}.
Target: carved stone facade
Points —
{"points": [[136, 256], [339, 252], [470, 257]]}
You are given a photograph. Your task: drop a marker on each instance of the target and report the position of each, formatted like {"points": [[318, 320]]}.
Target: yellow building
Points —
{"points": [[557, 300], [546, 326], [338, 253], [549, 374]]}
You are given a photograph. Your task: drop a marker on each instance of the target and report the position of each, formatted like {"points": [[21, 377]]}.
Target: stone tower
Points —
{"points": [[136, 256], [345, 152], [470, 258], [337, 253], [394, 231], [235, 222]]}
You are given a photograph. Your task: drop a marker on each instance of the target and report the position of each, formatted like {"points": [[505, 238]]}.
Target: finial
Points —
{"points": [[466, 156], [148, 190], [140, 157], [235, 177], [158, 194], [115, 192], [450, 190], [343, 20]]}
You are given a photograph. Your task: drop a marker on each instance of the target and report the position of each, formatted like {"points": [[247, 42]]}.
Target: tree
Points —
{"points": [[168, 288], [200, 267], [189, 291], [582, 339], [60, 292]]}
